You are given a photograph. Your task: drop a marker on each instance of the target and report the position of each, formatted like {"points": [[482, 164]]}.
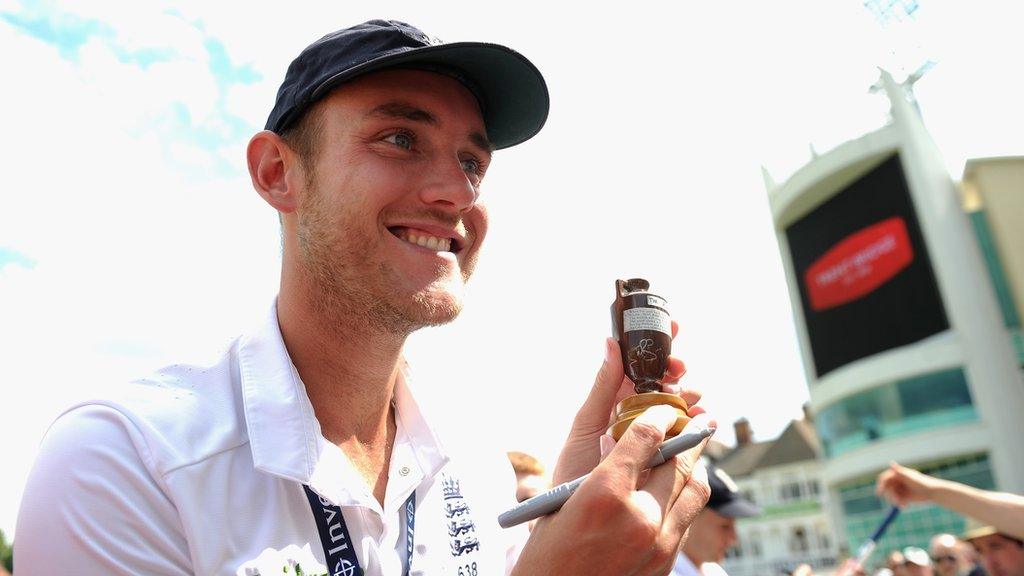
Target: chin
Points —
{"points": [[434, 308]]}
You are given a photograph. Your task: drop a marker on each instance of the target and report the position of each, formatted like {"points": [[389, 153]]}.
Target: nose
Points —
{"points": [[449, 186], [731, 537]]}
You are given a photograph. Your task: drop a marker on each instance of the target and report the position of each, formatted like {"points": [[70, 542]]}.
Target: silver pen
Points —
{"points": [[551, 501]]}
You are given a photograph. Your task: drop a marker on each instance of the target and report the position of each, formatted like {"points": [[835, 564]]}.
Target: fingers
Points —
{"points": [[638, 444], [676, 370], [666, 482], [647, 522], [581, 450], [593, 415], [688, 395], [900, 485], [676, 367], [607, 443], [885, 489], [690, 502], [882, 485]]}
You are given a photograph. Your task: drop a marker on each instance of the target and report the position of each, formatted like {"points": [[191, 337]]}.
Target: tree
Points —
{"points": [[6, 553]]}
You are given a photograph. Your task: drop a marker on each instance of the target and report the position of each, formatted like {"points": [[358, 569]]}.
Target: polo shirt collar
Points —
{"points": [[284, 435], [684, 566]]}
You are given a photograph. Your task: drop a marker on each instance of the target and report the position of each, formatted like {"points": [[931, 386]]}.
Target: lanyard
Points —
{"points": [[339, 553]]}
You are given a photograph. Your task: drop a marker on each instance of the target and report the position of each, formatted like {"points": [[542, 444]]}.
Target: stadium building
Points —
{"points": [[907, 291]]}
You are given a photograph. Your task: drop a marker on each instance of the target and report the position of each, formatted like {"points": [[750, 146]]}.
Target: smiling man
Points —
{"points": [[303, 445]]}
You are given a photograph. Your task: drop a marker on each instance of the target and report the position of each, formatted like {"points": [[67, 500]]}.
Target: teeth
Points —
{"points": [[429, 242]]}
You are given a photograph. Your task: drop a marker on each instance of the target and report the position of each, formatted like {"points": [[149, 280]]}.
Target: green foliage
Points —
{"points": [[6, 553]]}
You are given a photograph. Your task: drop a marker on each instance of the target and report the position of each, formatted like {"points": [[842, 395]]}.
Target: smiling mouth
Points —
{"points": [[435, 243]]}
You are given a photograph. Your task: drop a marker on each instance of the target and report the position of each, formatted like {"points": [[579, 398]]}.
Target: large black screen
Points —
{"points": [[865, 278]]}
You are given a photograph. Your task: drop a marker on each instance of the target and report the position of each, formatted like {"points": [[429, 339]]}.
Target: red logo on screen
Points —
{"points": [[858, 264]]}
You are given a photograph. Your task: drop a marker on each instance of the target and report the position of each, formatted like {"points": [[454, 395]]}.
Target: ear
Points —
{"points": [[270, 160]]}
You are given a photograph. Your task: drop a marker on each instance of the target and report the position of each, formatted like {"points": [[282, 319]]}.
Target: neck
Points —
{"points": [[694, 557], [349, 370]]}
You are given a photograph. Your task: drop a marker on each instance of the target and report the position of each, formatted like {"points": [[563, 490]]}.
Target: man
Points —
{"points": [[302, 446], [1000, 553], [917, 561], [529, 475], [947, 556], [530, 479], [713, 532], [897, 563]]}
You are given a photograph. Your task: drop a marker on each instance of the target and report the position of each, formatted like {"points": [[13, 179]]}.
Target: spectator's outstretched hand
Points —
{"points": [[902, 485], [851, 567], [1003, 510]]}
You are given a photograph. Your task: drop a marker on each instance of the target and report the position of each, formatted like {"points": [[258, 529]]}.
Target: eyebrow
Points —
{"points": [[403, 111]]}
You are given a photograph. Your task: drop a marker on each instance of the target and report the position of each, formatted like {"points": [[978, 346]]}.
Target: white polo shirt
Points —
{"points": [[685, 567], [200, 470]]}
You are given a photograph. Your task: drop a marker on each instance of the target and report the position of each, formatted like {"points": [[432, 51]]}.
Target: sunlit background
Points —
{"points": [[130, 236]]}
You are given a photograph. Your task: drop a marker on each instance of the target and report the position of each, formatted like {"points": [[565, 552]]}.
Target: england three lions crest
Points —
{"points": [[461, 528]]}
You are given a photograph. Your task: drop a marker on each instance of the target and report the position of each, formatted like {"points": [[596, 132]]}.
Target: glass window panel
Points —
{"points": [[894, 409]]}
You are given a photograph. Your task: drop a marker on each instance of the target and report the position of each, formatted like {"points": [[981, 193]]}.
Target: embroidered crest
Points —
{"points": [[461, 528]]}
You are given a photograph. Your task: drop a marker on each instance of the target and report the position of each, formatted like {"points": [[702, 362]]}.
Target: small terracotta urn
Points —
{"points": [[643, 328]]}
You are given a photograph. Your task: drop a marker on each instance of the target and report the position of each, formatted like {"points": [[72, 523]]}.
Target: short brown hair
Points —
{"points": [[523, 463], [303, 136]]}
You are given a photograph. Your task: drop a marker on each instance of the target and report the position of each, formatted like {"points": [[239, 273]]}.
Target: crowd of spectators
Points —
{"points": [[991, 544]]}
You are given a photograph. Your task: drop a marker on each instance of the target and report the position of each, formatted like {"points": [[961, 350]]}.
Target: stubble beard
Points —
{"points": [[342, 294]]}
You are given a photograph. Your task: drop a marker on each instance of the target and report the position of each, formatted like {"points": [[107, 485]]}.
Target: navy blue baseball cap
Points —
{"points": [[726, 498], [511, 92]]}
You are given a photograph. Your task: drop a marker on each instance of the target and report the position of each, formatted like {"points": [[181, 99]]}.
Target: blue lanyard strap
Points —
{"points": [[339, 550]]}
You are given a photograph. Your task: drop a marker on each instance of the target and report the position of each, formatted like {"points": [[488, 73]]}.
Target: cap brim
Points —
{"points": [[737, 508], [916, 556], [515, 96], [978, 532]]}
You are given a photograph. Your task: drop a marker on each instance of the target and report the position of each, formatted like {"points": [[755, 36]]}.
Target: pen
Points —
{"points": [[865, 550], [551, 501]]}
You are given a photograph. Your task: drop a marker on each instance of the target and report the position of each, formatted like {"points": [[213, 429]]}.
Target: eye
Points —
{"points": [[403, 140], [471, 165]]}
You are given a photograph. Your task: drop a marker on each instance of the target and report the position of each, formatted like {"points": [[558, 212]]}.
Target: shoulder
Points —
{"points": [[174, 417], [92, 488]]}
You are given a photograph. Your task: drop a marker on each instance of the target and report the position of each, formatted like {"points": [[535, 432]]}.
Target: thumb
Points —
{"points": [[902, 472], [593, 415]]}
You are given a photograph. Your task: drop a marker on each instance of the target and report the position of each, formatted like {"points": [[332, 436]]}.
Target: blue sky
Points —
{"points": [[10, 257], [69, 32]]}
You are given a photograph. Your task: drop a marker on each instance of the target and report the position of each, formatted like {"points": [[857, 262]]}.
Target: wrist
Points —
{"points": [[942, 491]]}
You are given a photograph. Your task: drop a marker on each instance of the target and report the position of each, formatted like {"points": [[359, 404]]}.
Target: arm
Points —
{"points": [[92, 507], [903, 486], [621, 520]]}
